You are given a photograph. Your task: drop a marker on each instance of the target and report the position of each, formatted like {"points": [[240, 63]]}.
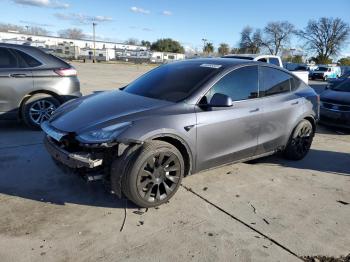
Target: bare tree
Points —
{"points": [[132, 41], [11, 27], [325, 36], [37, 30], [73, 33], [33, 30], [277, 35], [223, 49], [250, 41]]}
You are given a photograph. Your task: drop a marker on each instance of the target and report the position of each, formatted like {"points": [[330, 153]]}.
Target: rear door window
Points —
{"points": [[273, 81], [7, 59]]}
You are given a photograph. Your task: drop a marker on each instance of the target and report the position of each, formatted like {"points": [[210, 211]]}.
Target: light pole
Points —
{"points": [[204, 43], [94, 39]]}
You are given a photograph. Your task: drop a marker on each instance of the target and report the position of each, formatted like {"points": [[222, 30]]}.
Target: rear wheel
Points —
{"points": [[37, 109], [153, 174], [300, 141]]}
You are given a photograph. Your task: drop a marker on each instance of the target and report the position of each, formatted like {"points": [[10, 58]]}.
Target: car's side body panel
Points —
{"points": [[14, 83], [226, 135]]}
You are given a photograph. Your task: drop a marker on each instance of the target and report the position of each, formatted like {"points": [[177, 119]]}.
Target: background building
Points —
{"points": [[67, 48], [46, 41]]}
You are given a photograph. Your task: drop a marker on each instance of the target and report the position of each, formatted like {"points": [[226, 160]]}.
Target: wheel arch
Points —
{"points": [[181, 145], [309, 118], [29, 95], [312, 120]]}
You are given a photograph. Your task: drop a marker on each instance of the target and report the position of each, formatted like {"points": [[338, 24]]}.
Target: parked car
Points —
{"points": [[33, 84], [326, 72], [334, 81], [270, 59], [335, 104], [182, 118]]}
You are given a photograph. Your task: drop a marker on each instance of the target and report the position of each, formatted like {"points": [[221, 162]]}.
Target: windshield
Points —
{"points": [[343, 86], [173, 82], [323, 69]]}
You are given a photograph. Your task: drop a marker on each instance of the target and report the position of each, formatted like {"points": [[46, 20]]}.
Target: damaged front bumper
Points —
{"points": [[74, 160]]}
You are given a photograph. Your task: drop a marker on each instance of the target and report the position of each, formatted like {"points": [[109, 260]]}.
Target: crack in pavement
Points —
{"points": [[242, 222]]}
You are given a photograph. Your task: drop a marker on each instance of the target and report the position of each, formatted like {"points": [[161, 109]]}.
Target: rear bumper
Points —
{"points": [[71, 160]]}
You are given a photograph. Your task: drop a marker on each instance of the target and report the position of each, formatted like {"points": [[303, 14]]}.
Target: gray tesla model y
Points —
{"points": [[182, 118]]}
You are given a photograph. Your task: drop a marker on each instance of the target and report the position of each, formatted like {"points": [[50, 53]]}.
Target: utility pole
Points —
{"points": [[94, 39]]}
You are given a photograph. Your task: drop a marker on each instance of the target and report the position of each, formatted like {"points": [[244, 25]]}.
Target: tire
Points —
{"points": [[300, 141], [38, 108], [153, 174]]}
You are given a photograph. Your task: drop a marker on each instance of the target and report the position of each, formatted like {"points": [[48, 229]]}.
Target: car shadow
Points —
{"points": [[330, 130], [331, 162], [27, 171]]}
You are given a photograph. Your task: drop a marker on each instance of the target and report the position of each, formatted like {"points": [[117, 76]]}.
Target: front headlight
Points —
{"points": [[105, 134]]}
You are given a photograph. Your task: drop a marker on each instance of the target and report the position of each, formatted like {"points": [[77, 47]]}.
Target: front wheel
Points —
{"points": [[300, 141], [153, 174]]}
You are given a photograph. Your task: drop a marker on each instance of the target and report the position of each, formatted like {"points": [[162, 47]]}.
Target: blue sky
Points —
{"points": [[186, 21]]}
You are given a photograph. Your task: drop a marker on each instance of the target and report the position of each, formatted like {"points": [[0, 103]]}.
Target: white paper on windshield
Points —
{"points": [[211, 66]]}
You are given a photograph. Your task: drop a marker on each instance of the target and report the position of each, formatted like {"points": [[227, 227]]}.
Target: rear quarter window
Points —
{"points": [[29, 61]]}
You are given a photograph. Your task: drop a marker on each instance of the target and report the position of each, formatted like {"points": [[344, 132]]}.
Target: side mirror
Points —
{"points": [[220, 100]]}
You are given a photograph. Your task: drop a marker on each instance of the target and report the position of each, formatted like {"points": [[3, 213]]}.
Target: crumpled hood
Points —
{"points": [[104, 108], [336, 97]]}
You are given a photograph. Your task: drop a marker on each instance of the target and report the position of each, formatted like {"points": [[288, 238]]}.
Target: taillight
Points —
{"points": [[66, 72]]}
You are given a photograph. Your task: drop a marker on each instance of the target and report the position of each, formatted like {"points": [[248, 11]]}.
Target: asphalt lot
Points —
{"points": [[269, 210]]}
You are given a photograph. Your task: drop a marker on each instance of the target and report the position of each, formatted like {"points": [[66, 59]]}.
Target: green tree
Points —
{"points": [[345, 61], [146, 43], [167, 45], [223, 49], [298, 59], [325, 37], [208, 48]]}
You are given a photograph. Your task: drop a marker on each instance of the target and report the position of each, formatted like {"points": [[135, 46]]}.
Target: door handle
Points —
{"points": [[254, 110], [295, 103], [18, 75]]}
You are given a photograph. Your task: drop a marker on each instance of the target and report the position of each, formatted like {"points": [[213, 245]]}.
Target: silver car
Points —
{"points": [[180, 119], [33, 84]]}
